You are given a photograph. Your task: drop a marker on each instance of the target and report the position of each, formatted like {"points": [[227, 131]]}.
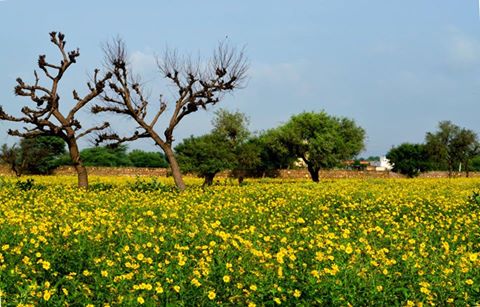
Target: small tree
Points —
{"points": [[47, 119], [198, 86], [322, 141], [205, 156], [10, 155], [409, 159], [273, 155], [452, 145], [232, 128]]}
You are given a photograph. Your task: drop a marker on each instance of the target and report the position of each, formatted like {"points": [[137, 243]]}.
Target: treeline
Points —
{"points": [[451, 148], [312, 140], [42, 155]]}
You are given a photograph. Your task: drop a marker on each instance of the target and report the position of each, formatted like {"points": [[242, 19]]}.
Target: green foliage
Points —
{"points": [[409, 159], [106, 156], [153, 184], [273, 155], [450, 146], [39, 155], [28, 185], [475, 198], [205, 155], [141, 158], [475, 164], [231, 126], [321, 140]]}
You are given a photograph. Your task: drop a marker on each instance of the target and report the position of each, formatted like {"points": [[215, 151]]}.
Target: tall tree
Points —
{"points": [[46, 119], [322, 141], [198, 86], [452, 146]]}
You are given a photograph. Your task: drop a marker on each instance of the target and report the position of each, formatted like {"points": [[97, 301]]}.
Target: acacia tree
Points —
{"points": [[46, 119], [452, 145], [321, 141], [198, 86]]}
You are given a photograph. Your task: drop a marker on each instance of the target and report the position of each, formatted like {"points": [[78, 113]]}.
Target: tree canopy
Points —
{"points": [[452, 146], [321, 140], [409, 159]]}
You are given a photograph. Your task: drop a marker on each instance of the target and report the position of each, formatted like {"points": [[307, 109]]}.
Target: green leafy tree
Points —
{"points": [[140, 158], [39, 155], [476, 163], [409, 159], [232, 128], [452, 146], [106, 156], [273, 155], [10, 155], [321, 140], [205, 156]]}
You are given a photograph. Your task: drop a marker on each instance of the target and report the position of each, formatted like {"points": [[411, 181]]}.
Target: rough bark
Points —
{"points": [[208, 179], [175, 168], [77, 163], [314, 173]]}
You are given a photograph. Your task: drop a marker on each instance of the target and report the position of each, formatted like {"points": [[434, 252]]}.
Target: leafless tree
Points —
{"points": [[197, 85], [46, 119]]}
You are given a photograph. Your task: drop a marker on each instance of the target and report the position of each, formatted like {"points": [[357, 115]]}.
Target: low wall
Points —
{"points": [[288, 174]]}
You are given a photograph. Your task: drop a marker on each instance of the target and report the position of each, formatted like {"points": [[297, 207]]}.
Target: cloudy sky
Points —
{"points": [[396, 67]]}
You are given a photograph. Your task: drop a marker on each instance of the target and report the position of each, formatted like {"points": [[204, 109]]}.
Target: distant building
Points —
{"points": [[382, 165]]}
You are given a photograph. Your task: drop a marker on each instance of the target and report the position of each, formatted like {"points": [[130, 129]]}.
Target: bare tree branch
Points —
{"points": [[46, 117]]}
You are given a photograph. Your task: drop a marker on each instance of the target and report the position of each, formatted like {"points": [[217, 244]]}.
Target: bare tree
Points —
{"points": [[46, 119], [198, 86]]}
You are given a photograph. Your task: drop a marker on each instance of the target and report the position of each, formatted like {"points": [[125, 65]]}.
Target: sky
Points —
{"points": [[396, 67]]}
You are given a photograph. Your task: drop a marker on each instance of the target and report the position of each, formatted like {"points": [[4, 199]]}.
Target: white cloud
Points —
{"points": [[142, 61], [463, 50]]}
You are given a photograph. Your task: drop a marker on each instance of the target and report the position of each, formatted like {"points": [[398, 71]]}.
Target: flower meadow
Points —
{"points": [[130, 242]]}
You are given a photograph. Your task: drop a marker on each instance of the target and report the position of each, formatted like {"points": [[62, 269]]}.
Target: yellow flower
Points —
{"points": [[104, 273], [211, 295], [253, 287], [65, 291], [251, 304], [349, 249], [226, 278], [469, 282], [159, 290], [47, 295], [46, 265], [140, 300], [140, 257], [297, 293], [176, 288], [379, 288], [277, 301]]}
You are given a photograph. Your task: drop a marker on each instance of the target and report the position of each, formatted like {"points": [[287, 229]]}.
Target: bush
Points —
{"points": [[140, 158]]}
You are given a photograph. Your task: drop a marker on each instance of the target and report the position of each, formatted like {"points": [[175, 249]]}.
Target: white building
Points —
{"points": [[382, 165]]}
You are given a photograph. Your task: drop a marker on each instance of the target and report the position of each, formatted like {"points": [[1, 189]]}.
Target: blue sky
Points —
{"points": [[396, 67]]}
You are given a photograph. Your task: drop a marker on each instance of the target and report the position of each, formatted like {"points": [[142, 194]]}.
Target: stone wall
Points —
{"points": [[288, 174]]}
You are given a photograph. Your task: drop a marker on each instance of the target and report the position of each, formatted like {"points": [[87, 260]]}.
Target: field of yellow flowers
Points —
{"points": [[345, 242]]}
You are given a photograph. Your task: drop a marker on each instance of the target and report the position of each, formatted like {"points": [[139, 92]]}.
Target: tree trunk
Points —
{"points": [[77, 163], [314, 173], [208, 180], [176, 173]]}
